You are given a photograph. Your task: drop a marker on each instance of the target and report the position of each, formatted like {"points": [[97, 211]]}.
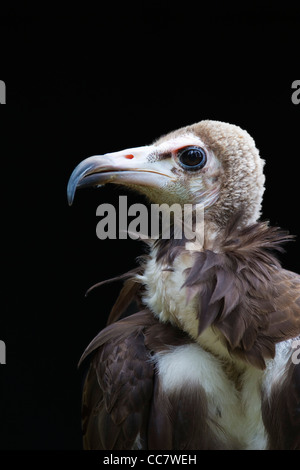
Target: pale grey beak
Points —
{"points": [[128, 167]]}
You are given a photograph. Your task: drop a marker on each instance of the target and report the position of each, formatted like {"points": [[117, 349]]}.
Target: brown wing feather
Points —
{"points": [[134, 324], [281, 411], [284, 321], [117, 392], [131, 292], [92, 399]]}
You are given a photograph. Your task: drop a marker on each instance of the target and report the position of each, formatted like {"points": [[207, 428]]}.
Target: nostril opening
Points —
{"points": [[129, 156]]}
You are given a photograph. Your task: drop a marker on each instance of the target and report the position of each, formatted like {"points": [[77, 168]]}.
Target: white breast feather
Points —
{"points": [[234, 416]]}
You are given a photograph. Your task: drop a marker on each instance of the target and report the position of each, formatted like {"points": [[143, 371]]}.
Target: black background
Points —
{"points": [[84, 82]]}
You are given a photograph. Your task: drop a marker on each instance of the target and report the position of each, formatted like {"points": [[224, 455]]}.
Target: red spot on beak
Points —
{"points": [[129, 156]]}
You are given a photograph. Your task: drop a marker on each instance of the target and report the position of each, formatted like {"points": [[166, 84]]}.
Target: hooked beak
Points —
{"points": [[128, 167]]}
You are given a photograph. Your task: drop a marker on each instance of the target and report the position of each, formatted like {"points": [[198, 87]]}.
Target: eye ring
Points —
{"points": [[192, 158]]}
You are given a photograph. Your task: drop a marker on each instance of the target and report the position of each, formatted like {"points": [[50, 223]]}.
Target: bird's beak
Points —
{"points": [[136, 166]]}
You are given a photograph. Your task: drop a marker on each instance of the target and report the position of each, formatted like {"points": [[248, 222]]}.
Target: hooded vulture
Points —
{"points": [[208, 361]]}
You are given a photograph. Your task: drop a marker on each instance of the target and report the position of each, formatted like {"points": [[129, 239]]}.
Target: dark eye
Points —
{"points": [[192, 158]]}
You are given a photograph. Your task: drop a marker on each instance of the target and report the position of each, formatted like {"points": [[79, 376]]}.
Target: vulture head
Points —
{"points": [[210, 163]]}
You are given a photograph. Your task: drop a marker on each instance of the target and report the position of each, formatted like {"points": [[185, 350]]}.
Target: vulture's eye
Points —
{"points": [[192, 158]]}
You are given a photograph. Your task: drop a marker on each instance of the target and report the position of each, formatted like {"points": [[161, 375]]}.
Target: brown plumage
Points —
{"points": [[207, 361], [120, 382], [253, 311]]}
